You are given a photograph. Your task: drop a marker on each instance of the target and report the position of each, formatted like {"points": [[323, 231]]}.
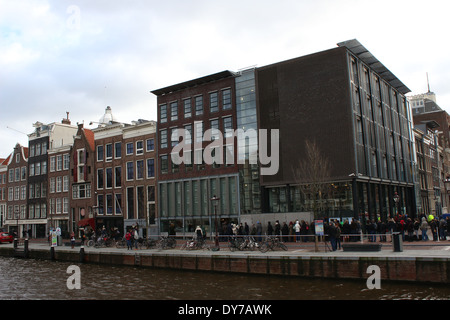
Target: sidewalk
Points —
{"points": [[415, 249]]}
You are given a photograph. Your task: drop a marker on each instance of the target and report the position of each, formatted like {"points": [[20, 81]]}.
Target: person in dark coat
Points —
{"points": [[269, 228]]}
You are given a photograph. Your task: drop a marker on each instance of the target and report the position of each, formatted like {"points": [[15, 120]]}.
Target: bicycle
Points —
{"points": [[166, 243], [147, 243], [122, 243], [195, 244], [272, 243], [103, 242]]}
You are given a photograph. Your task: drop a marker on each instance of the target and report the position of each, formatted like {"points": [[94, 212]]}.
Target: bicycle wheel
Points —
{"points": [[264, 247], [282, 246], [90, 243]]}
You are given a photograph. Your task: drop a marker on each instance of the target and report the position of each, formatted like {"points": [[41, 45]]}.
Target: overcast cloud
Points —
{"points": [[82, 55]]}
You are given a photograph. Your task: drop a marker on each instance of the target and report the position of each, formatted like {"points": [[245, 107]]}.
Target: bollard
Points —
{"points": [[52, 253], [82, 253], [25, 248], [16, 243]]}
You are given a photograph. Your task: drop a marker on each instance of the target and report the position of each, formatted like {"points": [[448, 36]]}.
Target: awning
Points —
{"points": [[87, 222]]}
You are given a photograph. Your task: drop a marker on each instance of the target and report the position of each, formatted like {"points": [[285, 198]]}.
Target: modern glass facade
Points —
{"points": [[384, 145], [187, 202], [246, 114]]}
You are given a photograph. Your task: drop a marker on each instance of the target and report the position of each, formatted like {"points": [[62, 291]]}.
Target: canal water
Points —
{"points": [[28, 279]]}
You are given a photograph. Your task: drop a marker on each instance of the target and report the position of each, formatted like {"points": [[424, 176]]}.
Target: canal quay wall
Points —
{"points": [[428, 266]]}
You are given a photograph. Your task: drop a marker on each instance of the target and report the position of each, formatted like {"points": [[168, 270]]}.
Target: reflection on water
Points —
{"points": [[36, 279]]}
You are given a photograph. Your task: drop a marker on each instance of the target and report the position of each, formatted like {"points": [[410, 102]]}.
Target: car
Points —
{"points": [[6, 237]]}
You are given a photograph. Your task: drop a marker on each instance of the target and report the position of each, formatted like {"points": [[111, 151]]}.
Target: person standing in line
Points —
{"points": [[424, 229], [259, 230], [269, 229], [277, 229], [297, 231]]}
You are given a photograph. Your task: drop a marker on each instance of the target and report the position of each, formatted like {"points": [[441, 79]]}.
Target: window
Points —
{"points": [[150, 168], [163, 139], [228, 127], [100, 179], [198, 105], [139, 147], [188, 134], [140, 169], [109, 178], [118, 150], [66, 162], [118, 177], [150, 144], [163, 113], [52, 164], [198, 128], [109, 152], [213, 102], [130, 148], [174, 111], [109, 204], [118, 203], [226, 99], [58, 185], [215, 134], [130, 171], [66, 183], [164, 164], [174, 137], [99, 153], [187, 108], [52, 185]]}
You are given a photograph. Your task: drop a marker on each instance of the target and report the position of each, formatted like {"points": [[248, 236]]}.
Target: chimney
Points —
{"points": [[66, 120]]}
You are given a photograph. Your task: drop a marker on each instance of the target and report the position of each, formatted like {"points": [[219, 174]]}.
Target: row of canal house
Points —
{"points": [[118, 175], [76, 178]]}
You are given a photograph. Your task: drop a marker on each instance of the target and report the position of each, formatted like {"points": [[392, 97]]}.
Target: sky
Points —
{"points": [[79, 56]]}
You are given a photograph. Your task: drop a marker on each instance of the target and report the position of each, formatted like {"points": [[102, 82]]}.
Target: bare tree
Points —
{"points": [[312, 174]]}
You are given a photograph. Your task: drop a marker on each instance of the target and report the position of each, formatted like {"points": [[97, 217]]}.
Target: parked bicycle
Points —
{"points": [[272, 243], [195, 244], [242, 243], [145, 243], [166, 243], [103, 242]]}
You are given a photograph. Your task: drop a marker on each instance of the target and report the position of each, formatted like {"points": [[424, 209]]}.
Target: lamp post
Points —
{"points": [[214, 201]]}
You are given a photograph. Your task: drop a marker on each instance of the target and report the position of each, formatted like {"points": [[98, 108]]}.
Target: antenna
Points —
{"points": [[17, 131], [428, 83]]}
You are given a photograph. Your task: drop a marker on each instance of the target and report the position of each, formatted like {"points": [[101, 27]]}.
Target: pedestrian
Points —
{"points": [[346, 230], [416, 229], [331, 231], [338, 235], [277, 229], [424, 228], [72, 239], [297, 229], [285, 232], [442, 228], [269, 229], [246, 229], [259, 230], [128, 238], [172, 232], [136, 238], [433, 228], [199, 233]]}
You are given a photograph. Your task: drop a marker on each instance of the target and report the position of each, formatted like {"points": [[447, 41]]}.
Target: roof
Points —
{"points": [[194, 83], [362, 53]]}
